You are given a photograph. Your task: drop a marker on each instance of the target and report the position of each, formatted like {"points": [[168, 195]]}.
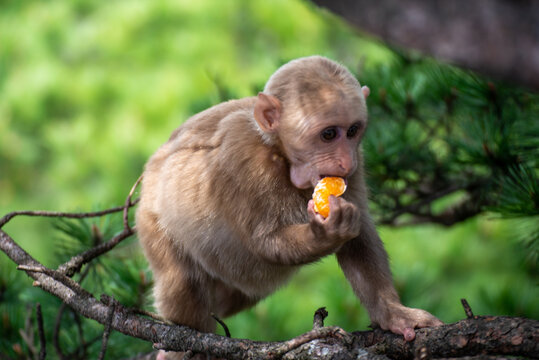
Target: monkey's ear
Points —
{"points": [[267, 112], [366, 91]]}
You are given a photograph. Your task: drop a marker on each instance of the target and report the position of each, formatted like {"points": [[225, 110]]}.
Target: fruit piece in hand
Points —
{"points": [[327, 186]]}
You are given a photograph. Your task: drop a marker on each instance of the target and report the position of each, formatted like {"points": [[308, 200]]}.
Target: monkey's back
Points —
{"points": [[216, 189]]}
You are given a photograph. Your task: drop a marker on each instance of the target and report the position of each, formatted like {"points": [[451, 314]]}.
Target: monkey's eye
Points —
{"points": [[352, 131], [328, 134]]}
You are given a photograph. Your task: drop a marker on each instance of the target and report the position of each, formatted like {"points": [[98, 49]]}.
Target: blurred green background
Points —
{"points": [[89, 90]]}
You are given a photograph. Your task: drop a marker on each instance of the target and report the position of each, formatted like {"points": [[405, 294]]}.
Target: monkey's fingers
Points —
{"points": [[420, 319], [426, 319], [407, 332], [312, 213], [335, 209], [344, 217]]}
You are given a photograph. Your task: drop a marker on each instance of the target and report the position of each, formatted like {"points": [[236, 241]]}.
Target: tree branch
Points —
{"points": [[41, 333], [106, 334], [493, 335], [498, 38], [421, 209], [41, 213]]}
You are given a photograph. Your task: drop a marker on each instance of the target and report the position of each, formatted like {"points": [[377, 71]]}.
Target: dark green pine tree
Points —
{"points": [[444, 145]]}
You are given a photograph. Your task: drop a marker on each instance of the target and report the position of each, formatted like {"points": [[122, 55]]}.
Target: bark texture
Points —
{"points": [[499, 38], [480, 335]]}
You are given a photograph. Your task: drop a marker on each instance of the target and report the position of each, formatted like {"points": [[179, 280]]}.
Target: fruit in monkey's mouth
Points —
{"points": [[327, 186]]}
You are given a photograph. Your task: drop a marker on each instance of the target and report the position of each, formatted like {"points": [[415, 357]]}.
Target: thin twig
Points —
{"points": [[128, 203], [27, 334], [56, 332], [83, 347], [75, 263], [467, 308], [6, 218], [319, 316], [41, 333], [106, 333], [222, 323]]}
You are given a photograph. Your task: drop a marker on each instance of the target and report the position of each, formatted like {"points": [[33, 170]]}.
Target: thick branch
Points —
{"points": [[497, 335], [498, 38]]}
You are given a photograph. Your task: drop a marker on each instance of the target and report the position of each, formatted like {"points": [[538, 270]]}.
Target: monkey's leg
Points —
{"points": [[182, 290], [229, 301], [183, 300]]}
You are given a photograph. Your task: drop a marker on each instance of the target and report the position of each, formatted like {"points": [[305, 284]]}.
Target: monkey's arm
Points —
{"points": [[365, 264], [303, 243], [292, 245]]}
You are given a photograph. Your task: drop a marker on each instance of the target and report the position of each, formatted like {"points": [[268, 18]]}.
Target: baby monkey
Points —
{"points": [[225, 216]]}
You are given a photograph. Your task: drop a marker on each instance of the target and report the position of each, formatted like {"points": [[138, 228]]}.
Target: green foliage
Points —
{"points": [[88, 90], [444, 145], [519, 192]]}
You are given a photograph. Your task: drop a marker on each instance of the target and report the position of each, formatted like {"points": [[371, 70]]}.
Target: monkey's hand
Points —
{"points": [[402, 320], [341, 225]]}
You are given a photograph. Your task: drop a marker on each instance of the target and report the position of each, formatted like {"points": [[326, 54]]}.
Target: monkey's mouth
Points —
{"points": [[320, 177]]}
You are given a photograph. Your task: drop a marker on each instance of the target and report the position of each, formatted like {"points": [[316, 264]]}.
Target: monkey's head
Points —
{"points": [[314, 111]]}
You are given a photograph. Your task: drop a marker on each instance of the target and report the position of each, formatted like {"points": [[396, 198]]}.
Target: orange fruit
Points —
{"points": [[327, 186]]}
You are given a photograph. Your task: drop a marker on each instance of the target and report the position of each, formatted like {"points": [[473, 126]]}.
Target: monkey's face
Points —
{"points": [[319, 131], [325, 143]]}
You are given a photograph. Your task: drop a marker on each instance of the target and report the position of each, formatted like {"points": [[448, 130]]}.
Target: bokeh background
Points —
{"points": [[89, 90]]}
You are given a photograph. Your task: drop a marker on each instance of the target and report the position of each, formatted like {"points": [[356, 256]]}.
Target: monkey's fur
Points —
{"points": [[225, 216]]}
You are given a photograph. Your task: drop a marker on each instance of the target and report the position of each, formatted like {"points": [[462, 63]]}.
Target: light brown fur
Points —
{"points": [[225, 217]]}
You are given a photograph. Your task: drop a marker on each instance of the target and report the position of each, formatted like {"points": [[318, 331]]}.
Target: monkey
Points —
{"points": [[225, 216]]}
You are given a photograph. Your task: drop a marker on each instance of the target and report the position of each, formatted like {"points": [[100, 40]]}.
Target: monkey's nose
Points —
{"points": [[345, 168]]}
